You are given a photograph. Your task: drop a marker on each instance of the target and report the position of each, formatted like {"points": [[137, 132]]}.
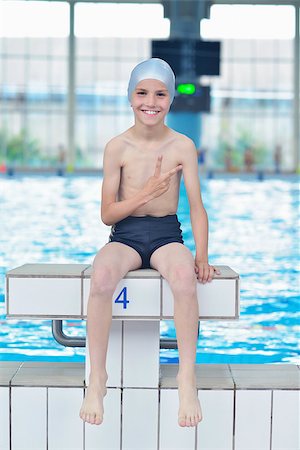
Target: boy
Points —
{"points": [[142, 169]]}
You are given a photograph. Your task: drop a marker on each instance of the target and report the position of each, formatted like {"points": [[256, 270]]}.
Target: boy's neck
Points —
{"points": [[150, 133]]}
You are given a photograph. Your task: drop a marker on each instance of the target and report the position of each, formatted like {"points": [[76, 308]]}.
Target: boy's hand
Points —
{"points": [[204, 271], [159, 183]]}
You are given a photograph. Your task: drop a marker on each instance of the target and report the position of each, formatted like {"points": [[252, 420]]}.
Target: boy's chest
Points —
{"points": [[137, 166]]}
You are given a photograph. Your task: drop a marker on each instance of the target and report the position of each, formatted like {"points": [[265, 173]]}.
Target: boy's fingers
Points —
{"points": [[173, 171], [205, 274], [200, 274], [211, 274], [158, 166]]}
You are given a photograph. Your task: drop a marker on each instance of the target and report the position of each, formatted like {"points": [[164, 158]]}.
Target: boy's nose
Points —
{"points": [[150, 100]]}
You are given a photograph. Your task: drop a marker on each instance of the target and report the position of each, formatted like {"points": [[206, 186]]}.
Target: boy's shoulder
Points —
{"points": [[183, 141], [181, 137], [116, 143]]}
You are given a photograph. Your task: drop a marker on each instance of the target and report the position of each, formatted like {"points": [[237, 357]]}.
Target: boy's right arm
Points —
{"points": [[113, 211]]}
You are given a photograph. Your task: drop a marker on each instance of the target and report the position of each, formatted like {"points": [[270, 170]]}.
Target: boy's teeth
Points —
{"points": [[150, 112]]}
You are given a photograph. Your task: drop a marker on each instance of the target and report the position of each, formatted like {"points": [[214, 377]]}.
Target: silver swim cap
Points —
{"points": [[156, 69]]}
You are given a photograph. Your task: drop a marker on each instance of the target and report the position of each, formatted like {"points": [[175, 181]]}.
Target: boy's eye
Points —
{"points": [[159, 94]]}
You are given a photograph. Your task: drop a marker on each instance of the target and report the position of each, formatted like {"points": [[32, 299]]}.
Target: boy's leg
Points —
{"points": [[176, 264], [110, 265]]}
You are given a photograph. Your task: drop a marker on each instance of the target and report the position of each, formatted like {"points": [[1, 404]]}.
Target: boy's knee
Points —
{"points": [[183, 279], [104, 281]]}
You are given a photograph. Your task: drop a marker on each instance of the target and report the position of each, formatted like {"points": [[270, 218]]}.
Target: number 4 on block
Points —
{"points": [[122, 298]]}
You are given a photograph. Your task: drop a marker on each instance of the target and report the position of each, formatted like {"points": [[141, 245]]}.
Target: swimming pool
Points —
{"points": [[253, 228]]}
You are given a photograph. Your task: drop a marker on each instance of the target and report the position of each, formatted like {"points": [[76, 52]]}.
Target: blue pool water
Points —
{"points": [[253, 228]]}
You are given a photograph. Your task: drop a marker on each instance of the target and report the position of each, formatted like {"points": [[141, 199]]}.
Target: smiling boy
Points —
{"points": [[142, 169]]}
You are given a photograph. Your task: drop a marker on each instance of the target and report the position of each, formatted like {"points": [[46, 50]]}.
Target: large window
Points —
{"points": [[252, 99], [33, 81]]}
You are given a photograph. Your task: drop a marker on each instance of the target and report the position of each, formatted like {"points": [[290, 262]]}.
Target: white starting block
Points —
{"points": [[60, 291], [141, 300]]}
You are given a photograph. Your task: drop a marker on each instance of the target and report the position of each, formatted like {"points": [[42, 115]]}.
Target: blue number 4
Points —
{"points": [[122, 298]]}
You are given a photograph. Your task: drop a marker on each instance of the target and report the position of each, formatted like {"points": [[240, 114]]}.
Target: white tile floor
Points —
{"points": [[139, 419], [216, 418], [44, 400], [28, 418], [253, 419], [108, 435], [65, 429]]}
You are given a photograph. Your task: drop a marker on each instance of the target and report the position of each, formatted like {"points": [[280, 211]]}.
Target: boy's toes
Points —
{"points": [[193, 422], [181, 421], [98, 420], [188, 422]]}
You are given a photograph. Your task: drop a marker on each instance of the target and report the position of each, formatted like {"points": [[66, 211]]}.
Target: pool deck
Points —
{"points": [[209, 376], [252, 407]]}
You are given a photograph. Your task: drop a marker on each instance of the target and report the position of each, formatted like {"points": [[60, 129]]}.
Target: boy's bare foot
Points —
{"points": [[92, 406], [189, 414]]}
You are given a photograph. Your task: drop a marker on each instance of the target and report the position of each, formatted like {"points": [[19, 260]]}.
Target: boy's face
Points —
{"points": [[150, 101]]}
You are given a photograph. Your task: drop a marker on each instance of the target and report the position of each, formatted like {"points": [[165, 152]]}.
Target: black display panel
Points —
{"points": [[200, 57]]}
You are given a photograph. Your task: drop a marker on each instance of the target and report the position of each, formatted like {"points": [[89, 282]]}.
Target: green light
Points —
{"points": [[186, 88]]}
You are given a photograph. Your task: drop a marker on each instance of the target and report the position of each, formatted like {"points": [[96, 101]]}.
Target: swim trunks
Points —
{"points": [[146, 234]]}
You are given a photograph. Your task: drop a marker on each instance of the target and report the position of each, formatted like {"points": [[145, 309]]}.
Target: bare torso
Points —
{"points": [[138, 161]]}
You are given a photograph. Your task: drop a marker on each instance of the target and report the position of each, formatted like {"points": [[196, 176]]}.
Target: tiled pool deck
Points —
{"points": [[245, 407]]}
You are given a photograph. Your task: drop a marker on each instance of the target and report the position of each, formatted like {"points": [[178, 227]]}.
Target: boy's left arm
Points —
{"points": [[199, 220]]}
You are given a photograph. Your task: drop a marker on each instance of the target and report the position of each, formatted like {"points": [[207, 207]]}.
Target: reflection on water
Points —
{"points": [[253, 228]]}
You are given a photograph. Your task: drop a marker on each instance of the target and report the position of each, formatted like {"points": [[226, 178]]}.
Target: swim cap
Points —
{"points": [[156, 69]]}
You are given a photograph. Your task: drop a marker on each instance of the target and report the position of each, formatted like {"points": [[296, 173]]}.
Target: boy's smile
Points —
{"points": [[150, 112]]}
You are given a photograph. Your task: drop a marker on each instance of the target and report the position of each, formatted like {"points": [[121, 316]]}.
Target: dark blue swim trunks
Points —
{"points": [[146, 234]]}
